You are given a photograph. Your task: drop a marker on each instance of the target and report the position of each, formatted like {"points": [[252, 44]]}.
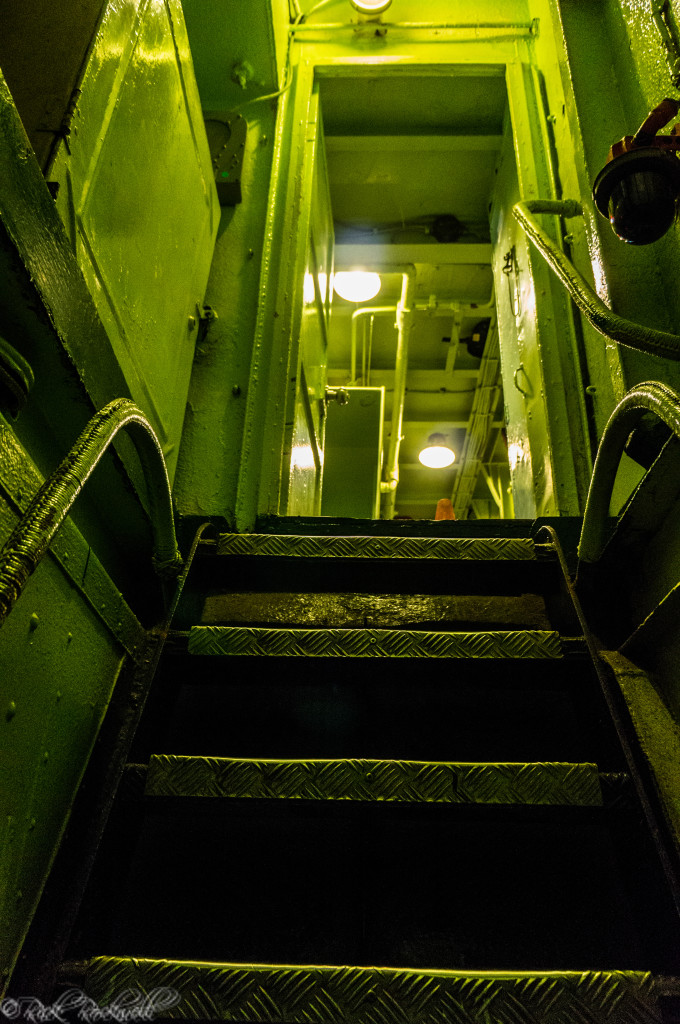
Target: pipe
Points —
{"points": [[405, 324], [651, 396], [369, 355], [459, 33], [356, 316], [455, 306], [662, 15], [36, 529], [317, 7], [614, 327]]}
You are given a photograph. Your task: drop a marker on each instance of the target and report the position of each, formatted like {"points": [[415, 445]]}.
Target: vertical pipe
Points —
{"points": [[363, 355], [371, 325], [404, 324], [356, 316]]}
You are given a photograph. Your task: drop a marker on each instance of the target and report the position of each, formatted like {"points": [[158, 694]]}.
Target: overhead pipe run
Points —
{"points": [[357, 315], [455, 33], [405, 311], [433, 307], [616, 328]]}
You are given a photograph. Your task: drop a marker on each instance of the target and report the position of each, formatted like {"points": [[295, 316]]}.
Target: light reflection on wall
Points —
{"points": [[302, 457], [597, 263], [308, 289], [517, 453], [308, 292]]}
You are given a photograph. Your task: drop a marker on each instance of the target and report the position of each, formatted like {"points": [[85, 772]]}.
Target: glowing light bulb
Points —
{"points": [[437, 454], [371, 6], [356, 285], [437, 457]]}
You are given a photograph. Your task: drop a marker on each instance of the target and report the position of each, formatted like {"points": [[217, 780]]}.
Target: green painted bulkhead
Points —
{"points": [[399, 144]]}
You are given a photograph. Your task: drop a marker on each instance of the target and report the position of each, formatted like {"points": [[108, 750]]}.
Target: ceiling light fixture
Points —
{"points": [[371, 6], [437, 454], [356, 285]]}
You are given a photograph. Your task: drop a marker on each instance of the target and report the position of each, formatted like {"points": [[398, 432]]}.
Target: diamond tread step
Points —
{"points": [[559, 784], [240, 641], [304, 564], [366, 547], [291, 994]]}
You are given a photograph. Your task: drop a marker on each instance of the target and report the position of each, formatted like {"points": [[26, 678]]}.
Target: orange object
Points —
{"points": [[444, 509]]}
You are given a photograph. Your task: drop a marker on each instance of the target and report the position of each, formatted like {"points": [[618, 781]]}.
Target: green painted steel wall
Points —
{"points": [[206, 482], [43, 74], [224, 379], [139, 202], [139, 211], [61, 650], [239, 50], [615, 75]]}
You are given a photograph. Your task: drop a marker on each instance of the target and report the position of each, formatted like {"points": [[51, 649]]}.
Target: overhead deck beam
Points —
{"points": [[459, 254], [414, 143]]}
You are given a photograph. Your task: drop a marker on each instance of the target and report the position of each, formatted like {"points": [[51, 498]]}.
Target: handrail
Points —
{"points": [[652, 396], [614, 327], [36, 529]]}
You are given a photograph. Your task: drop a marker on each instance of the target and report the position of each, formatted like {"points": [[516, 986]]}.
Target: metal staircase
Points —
{"points": [[377, 782]]}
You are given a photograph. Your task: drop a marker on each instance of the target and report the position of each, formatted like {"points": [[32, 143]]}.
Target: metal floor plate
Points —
{"points": [[329, 995]]}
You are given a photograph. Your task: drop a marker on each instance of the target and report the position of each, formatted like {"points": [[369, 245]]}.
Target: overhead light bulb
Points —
{"points": [[371, 6], [356, 285], [437, 454]]}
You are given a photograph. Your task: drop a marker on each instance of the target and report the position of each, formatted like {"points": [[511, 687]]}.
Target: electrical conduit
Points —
{"points": [[616, 328]]}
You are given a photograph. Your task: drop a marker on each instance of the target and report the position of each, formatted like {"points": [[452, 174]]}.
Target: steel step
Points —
{"points": [[291, 994], [398, 883], [494, 549], [468, 709], [171, 775], [373, 564], [376, 611], [242, 641]]}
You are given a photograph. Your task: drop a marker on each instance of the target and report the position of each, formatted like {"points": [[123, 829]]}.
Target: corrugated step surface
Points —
{"points": [[361, 779], [282, 994], [372, 643], [391, 564], [458, 815], [494, 549]]}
